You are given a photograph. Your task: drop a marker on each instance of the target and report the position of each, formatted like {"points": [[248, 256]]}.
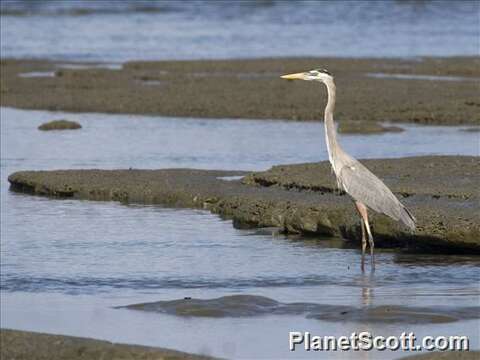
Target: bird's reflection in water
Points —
{"points": [[367, 281]]}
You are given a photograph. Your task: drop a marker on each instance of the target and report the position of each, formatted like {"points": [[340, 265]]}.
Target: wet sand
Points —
{"points": [[440, 191], [32, 345], [445, 90]]}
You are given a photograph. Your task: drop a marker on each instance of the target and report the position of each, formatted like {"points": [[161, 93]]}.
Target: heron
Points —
{"points": [[365, 189]]}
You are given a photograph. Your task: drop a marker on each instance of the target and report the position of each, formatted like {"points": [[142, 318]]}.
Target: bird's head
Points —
{"points": [[316, 74]]}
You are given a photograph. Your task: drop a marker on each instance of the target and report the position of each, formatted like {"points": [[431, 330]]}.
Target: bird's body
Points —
{"points": [[355, 179]]}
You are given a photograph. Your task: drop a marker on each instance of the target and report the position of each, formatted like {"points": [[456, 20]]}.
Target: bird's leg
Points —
{"points": [[362, 209], [364, 243], [371, 243]]}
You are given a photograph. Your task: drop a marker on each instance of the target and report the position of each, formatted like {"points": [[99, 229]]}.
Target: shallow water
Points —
{"points": [[123, 141], [65, 263], [132, 30]]}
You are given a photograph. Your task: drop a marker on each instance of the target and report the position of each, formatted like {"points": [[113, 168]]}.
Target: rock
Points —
{"points": [[441, 192], [60, 125], [363, 127]]}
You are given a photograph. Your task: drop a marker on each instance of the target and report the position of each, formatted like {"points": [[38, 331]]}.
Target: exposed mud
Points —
{"points": [[253, 89], [60, 125], [31, 345], [441, 192], [253, 305], [363, 127]]}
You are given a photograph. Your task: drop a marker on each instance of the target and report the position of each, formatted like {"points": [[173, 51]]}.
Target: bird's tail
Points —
{"points": [[408, 219]]}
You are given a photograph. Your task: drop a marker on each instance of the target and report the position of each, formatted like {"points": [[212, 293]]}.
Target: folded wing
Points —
{"points": [[362, 185]]}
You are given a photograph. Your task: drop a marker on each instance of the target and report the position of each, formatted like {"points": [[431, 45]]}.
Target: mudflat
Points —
{"points": [[31, 345], [440, 191], [254, 305], [419, 90]]}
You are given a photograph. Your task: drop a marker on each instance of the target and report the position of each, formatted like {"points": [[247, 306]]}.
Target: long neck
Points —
{"points": [[330, 132]]}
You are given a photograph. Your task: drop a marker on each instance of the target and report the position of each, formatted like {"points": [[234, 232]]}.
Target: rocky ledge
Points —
{"points": [[441, 191]]}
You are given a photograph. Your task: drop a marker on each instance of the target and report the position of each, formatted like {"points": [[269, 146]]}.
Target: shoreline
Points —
{"points": [[440, 91], [19, 344]]}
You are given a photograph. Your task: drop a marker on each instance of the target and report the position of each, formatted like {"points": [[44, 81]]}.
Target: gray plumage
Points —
{"points": [[362, 185], [367, 190], [354, 177]]}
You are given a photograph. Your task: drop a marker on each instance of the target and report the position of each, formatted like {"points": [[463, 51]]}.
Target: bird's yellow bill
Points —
{"points": [[299, 76]]}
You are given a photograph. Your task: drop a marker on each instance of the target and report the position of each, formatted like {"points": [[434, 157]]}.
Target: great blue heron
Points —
{"points": [[366, 189]]}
